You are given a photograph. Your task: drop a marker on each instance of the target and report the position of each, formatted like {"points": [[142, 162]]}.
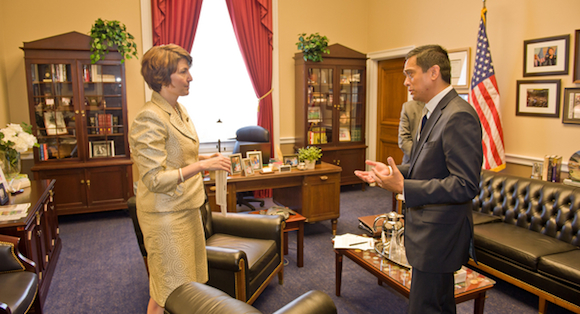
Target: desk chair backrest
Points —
{"points": [[253, 138]]}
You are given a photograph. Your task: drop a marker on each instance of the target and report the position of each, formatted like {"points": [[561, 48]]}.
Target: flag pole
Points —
{"points": [[484, 4]]}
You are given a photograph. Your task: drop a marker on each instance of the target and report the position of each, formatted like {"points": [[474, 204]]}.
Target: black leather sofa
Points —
{"points": [[198, 298], [527, 232]]}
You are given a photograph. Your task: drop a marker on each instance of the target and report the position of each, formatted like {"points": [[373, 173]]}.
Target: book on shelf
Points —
{"points": [[552, 168], [104, 122]]}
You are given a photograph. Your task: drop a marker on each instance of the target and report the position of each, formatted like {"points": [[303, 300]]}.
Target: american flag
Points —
{"points": [[484, 97]]}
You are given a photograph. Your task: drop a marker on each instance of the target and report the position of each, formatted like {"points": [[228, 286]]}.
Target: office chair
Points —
{"points": [[247, 139]]}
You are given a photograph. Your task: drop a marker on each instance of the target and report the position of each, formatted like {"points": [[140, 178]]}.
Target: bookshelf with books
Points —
{"points": [[78, 111], [330, 108]]}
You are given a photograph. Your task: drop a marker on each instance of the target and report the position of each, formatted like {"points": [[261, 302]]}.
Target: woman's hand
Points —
{"points": [[216, 162]]}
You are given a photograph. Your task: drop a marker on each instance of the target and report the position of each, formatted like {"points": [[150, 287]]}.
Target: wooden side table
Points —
{"points": [[294, 223]]}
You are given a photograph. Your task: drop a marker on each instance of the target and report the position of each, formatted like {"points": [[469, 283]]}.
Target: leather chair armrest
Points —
{"points": [[248, 225], [224, 258], [195, 297], [314, 301], [28, 264]]}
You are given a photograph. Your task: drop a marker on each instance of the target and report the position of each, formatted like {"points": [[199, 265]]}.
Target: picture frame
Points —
{"points": [[460, 62], [236, 167], [102, 149], [255, 158], [571, 106], [4, 197], [291, 160], [247, 166], [546, 56], [54, 123], [314, 114], [285, 168], [540, 98], [344, 135], [576, 76]]}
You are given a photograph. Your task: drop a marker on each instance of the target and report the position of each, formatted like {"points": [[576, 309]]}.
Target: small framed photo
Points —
{"points": [[577, 57], [255, 158], [285, 168], [546, 56], [538, 98], [344, 135], [247, 165], [314, 114], [291, 160], [4, 198], [571, 107], [459, 59], [236, 160], [102, 149]]}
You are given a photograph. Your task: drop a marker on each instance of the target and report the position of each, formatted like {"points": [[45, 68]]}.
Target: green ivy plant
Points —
{"points": [[313, 46], [107, 34], [312, 153]]}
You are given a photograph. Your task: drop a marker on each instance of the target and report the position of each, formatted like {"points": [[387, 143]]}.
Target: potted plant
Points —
{"points": [[313, 46], [309, 155], [109, 34]]}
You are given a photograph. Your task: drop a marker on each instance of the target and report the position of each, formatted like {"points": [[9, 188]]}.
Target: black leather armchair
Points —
{"points": [[18, 279], [198, 298], [248, 137], [244, 251]]}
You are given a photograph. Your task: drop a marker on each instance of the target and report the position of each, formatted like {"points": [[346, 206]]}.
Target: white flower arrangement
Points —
{"points": [[17, 137]]}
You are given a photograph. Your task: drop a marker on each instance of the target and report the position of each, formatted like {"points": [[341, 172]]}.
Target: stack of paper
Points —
{"points": [[14, 212], [221, 190], [352, 241]]}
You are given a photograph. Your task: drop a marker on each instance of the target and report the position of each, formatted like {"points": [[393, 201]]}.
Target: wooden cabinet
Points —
{"points": [[38, 231], [78, 112], [330, 108]]}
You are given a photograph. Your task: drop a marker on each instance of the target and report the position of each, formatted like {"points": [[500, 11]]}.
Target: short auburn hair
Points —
{"points": [[160, 62]]}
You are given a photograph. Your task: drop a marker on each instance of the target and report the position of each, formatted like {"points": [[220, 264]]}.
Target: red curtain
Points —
{"points": [[252, 21], [175, 21]]}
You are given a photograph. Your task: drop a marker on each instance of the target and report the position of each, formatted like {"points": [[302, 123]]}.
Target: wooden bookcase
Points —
{"points": [[78, 112], [330, 108]]}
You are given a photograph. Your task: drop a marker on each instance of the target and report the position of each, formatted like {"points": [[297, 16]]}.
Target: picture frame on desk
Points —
{"points": [[255, 158], [546, 56], [102, 149], [247, 165], [291, 160], [571, 106], [4, 198], [540, 98], [236, 161]]}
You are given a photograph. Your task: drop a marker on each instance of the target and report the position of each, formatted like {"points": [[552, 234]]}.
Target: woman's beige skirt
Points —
{"points": [[175, 244]]}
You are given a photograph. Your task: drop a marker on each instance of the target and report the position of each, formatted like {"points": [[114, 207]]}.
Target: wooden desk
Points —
{"points": [[38, 231], [315, 194]]}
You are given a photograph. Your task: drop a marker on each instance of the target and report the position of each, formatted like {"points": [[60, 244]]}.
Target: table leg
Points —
{"points": [[478, 304], [285, 243], [334, 222], [300, 236], [338, 261]]}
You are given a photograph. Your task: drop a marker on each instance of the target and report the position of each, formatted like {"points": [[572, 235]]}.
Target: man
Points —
{"points": [[411, 115], [438, 184]]}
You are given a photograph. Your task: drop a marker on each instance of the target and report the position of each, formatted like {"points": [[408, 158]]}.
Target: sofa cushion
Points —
{"points": [[259, 252], [564, 267], [481, 218], [518, 245]]}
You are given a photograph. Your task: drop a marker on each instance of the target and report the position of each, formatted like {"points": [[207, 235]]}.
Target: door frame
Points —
{"points": [[372, 94]]}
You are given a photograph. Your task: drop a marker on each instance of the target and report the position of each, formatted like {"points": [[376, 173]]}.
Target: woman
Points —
{"points": [[170, 191]]}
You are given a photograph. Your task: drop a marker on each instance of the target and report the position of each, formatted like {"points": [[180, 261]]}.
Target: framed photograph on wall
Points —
{"points": [[577, 57], [539, 98], [236, 160], [546, 56], [101, 149], [255, 158], [571, 106], [459, 59]]}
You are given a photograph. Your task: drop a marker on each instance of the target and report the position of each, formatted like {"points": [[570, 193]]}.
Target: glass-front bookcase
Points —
{"points": [[330, 108], [78, 112]]}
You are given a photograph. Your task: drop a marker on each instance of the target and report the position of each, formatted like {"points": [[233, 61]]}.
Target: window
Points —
{"points": [[221, 88]]}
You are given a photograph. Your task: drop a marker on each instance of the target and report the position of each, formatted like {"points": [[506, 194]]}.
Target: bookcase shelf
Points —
{"points": [[78, 112]]}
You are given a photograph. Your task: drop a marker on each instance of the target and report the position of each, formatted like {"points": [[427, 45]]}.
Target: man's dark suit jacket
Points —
{"points": [[440, 182]]}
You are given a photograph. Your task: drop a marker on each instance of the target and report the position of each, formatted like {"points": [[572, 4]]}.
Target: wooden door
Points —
{"points": [[391, 96]]}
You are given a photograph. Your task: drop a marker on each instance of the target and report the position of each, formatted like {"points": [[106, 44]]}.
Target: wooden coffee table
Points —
{"points": [[399, 278], [294, 223]]}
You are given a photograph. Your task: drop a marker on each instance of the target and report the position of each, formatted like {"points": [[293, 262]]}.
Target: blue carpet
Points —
{"points": [[100, 269]]}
